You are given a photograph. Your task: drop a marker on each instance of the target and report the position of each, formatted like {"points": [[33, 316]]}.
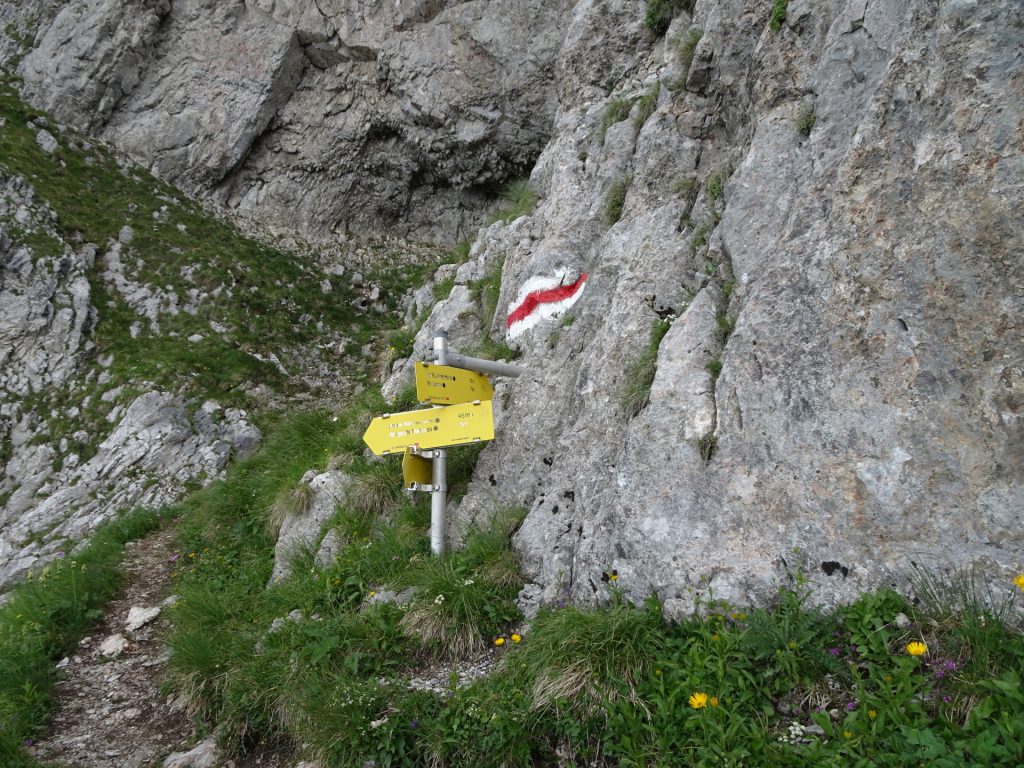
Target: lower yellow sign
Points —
{"points": [[431, 428], [444, 385], [416, 470]]}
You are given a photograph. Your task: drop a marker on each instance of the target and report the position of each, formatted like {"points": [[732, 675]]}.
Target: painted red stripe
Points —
{"points": [[546, 296]]}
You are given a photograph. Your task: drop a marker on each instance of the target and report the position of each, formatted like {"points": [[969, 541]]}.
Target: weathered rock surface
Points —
{"points": [[842, 389], [51, 495], [317, 119], [302, 526]]}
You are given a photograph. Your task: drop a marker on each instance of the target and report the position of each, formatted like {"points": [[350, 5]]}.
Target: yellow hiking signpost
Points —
{"points": [[431, 428], [462, 415], [444, 385]]}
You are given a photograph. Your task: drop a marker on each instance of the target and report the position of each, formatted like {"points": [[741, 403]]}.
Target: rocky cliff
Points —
{"points": [[793, 233], [827, 217], [313, 118]]}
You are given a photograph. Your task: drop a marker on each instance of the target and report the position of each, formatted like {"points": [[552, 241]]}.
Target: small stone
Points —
{"points": [[126, 235], [902, 621], [63, 663], [139, 616], [46, 142], [195, 338], [203, 755], [113, 646]]}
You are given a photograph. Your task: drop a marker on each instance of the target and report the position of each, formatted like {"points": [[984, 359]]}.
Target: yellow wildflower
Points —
{"points": [[714, 701], [613, 576], [698, 700], [872, 714], [499, 641], [517, 639], [917, 648], [1019, 581], [715, 637], [847, 734]]}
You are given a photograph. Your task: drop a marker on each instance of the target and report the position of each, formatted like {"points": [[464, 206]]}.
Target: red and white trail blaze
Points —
{"points": [[542, 297]]}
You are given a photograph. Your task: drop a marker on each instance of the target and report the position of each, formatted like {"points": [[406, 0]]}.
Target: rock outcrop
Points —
{"points": [[58, 479], [319, 118], [828, 215], [815, 230]]}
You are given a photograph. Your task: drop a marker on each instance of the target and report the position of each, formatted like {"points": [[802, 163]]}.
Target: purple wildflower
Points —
{"points": [[414, 724], [173, 558], [834, 651], [851, 706]]}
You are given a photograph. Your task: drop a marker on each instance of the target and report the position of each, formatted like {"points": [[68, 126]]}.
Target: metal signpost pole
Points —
{"points": [[439, 495]]}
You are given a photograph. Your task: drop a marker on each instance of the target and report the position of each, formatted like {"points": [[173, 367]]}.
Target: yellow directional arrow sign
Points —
{"points": [[444, 385], [431, 428]]}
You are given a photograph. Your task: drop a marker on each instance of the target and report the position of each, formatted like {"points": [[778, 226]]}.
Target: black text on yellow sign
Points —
{"points": [[431, 428], [444, 385]]}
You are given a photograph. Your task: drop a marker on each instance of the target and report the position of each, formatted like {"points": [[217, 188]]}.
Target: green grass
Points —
{"points": [[646, 105], [687, 46], [520, 200], [805, 122], [641, 375], [43, 620], [778, 16], [715, 186], [615, 111], [615, 199], [661, 12]]}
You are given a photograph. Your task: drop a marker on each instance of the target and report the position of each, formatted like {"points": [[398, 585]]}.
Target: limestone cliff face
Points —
{"points": [[827, 215], [840, 389], [315, 118]]}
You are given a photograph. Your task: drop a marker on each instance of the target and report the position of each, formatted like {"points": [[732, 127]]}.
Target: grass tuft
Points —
{"points": [[661, 12], [615, 199], [615, 111], [641, 375], [805, 122], [687, 47], [778, 16]]}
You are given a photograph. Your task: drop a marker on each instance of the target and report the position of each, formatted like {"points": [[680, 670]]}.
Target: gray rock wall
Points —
{"points": [[317, 119], [840, 391]]}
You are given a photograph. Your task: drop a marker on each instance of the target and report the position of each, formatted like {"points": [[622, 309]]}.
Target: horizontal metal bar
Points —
{"points": [[492, 367]]}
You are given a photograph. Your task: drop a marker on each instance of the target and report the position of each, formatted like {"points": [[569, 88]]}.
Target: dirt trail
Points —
{"points": [[110, 712]]}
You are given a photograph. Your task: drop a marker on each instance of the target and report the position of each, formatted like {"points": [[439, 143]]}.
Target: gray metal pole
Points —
{"points": [[492, 367], [439, 496]]}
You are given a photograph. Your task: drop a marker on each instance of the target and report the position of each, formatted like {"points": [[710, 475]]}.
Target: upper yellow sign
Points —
{"points": [[431, 428], [444, 385]]}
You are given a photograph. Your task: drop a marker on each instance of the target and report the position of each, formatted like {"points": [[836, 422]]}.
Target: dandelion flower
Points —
{"points": [[917, 648], [1019, 581], [499, 641], [517, 639], [698, 700], [613, 576]]}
